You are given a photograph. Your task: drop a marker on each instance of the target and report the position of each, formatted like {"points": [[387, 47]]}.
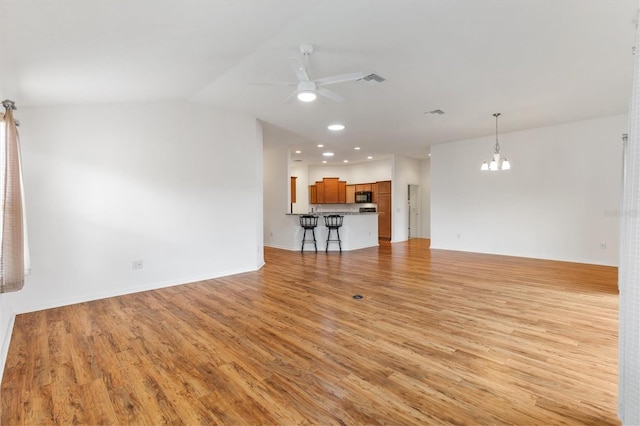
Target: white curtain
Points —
{"points": [[14, 250], [629, 271]]}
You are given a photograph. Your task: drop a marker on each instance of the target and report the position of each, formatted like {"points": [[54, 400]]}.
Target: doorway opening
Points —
{"points": [[413, 209]]}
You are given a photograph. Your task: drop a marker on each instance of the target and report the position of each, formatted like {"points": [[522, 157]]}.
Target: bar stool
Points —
{"points": [[308, 222], [333, 222]]}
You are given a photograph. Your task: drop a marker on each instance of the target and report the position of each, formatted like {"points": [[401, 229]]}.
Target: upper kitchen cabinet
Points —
{"points": [[330, 190], [351, 194], [313, 194], [384, 187], [320, 192], [342, 192]]}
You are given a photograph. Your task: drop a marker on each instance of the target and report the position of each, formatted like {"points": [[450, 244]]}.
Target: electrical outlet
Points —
{"points": [[136, 264], [603, 245]]}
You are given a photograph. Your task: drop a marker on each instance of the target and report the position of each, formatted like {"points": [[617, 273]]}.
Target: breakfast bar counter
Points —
{"points": [[359, 230]]}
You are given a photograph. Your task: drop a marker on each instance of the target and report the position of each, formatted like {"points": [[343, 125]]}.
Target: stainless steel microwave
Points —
{"points": [[364, 196]]}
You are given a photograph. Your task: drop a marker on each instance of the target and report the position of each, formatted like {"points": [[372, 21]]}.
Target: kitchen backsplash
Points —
{"points": [[320, 208]]}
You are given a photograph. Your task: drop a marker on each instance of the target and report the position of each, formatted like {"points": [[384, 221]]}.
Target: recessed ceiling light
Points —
{"points": [[429, 154], [345, 161], [328, 154], [369, 158], [320, 145], [298, 152], [324, 161], [357, 148], [335, 127]]}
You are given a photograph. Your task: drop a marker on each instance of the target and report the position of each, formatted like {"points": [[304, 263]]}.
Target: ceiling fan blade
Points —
{"points": [[270, 83], [290, 97], [331, 95], [339, 78], [298, 69]]}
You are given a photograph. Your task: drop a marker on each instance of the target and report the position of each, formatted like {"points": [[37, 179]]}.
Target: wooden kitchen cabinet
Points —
{"points": [[342, 191], [330, 190], [384, 209], [320, 194], [351, 194], [293, 189], [374, 192], [313, 194], [384, 187], [363, 187]]}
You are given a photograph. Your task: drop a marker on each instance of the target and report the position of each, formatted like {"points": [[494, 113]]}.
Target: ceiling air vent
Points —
{"points": [[371, 80]]}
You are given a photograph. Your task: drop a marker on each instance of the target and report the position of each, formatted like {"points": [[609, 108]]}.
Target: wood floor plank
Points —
{"points": [[439, 337]]}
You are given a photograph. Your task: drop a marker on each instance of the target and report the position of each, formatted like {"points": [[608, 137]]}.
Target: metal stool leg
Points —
{"points": [[304, 237], [339, 241], [313, 231], [326, 249]]}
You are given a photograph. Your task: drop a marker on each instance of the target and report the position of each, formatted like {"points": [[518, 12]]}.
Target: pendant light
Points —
{"points": [[497, 162]]}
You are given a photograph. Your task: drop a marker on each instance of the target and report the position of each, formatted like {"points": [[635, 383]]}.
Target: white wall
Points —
{"points": [[370, 171], [173, 185], [276, 188], [558, 201], [302, 188]]}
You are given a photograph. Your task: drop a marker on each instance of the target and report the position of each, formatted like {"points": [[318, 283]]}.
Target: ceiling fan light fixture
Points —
{"points": [[335, 127], [307, 91], [307, 96]]}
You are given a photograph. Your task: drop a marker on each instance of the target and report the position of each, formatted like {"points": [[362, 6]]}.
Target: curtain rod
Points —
{"points": [[10, 104]]}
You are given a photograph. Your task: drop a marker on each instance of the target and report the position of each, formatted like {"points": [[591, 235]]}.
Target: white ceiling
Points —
{"points": [[538, 62]]}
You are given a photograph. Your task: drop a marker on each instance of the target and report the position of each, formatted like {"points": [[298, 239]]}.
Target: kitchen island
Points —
{"points": [[359, 230]]}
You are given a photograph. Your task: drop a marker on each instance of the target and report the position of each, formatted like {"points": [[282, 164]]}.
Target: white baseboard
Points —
{"points": [[123, 291], [5, 344]]}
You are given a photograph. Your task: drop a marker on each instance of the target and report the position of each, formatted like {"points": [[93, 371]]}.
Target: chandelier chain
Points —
{"points": [[497, 148]]}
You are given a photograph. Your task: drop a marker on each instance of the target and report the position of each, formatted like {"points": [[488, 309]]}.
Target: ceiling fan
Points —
{"points": [[307, 89]]}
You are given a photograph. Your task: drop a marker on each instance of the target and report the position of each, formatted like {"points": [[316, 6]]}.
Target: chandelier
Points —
{"points": [[497, 163]]}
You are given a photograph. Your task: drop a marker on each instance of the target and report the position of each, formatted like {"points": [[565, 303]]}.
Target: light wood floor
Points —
{"points": [[439, 338]]}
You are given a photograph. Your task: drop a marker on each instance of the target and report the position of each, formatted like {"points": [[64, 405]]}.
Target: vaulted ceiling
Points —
{"points": [[539, 62]]}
